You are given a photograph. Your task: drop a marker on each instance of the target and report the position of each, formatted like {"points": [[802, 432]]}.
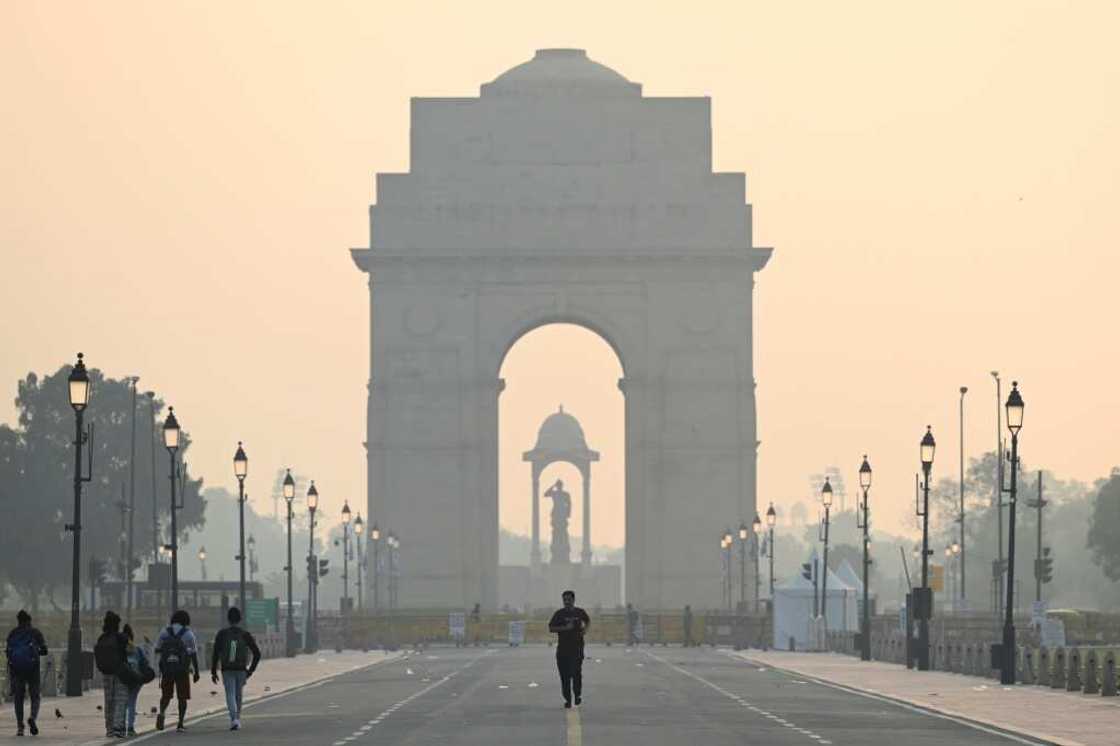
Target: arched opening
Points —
{"points": [[561, 388]]}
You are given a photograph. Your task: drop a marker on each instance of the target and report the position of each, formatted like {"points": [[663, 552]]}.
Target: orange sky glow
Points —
{"points": [[181, 183]]}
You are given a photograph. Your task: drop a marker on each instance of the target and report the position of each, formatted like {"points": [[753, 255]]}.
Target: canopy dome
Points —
{"points": [[561, 71], [561, 432]]}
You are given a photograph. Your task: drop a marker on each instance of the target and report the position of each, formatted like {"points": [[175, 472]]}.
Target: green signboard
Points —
{"points": [[262, 613]]}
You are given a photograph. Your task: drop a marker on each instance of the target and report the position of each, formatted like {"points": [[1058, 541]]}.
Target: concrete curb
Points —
{"points": [[999, 728]]}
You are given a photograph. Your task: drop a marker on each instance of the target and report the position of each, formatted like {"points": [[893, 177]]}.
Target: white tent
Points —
{"points": [[793, 610], [848, 574]]}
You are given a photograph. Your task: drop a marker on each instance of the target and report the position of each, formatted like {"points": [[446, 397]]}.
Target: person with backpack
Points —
{"points": [[142, 669], [111, 658], [25, 645], [177, 648], [232, 648]]}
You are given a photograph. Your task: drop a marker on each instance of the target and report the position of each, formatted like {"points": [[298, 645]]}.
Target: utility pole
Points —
{"points": [[1038, 504], [131, 503], [960, 558], [998, 574]]}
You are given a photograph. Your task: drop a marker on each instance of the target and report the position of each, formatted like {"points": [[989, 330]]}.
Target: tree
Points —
{"points": [[1104, 526], [36, 482]]}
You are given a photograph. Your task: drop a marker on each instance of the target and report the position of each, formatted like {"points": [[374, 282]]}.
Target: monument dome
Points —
{"points": [[561, 432], [556, 71]]}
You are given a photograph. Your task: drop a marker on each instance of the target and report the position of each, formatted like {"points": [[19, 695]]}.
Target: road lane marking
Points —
{"points": [[734, 697], [960, 720], [575, 728]]}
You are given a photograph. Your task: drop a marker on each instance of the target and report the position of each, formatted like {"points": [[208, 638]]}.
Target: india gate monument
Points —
{"points": [[560, 194]]}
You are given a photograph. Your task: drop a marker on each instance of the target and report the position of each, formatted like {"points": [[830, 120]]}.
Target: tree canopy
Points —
{"points": [[37, 473]]}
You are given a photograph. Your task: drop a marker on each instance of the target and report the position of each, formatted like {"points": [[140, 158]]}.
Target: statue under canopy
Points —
{"points": [[561, 549]]}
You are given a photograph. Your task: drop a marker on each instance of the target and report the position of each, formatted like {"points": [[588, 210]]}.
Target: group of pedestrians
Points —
{"points": [[125, 668]]}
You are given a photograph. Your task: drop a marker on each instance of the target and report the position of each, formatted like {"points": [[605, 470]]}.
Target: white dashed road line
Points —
{"points": [[736, 698]]}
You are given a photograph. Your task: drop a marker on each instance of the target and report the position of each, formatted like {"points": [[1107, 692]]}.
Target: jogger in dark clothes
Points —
{"points": [[570, 624], [25, 645]]}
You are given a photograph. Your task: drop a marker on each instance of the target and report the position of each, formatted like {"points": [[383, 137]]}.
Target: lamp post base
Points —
{"points": [[1007, 673], [74, 662]]}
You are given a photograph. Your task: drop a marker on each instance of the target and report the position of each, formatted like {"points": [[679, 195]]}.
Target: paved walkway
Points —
{"points": [[1066, 718], [82, 720]]}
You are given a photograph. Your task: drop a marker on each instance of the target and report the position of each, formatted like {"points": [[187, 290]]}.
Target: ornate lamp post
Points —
{"points": [[358, 524], [744, 535], [312, 570], [202, 560], [728, 542], [1015, 408], [252, 544], [826, 501], [771, 521], [375, 542], [79, 390], [923, 596], [394, 544], [171, 436], [241, 470], [756, 531], [345, 558], [865, 524], [290, 627]]}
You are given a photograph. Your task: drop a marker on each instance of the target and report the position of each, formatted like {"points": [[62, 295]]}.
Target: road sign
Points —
{"points": [[937, 578], [262, 613], [1038, 613], [457, 624], [516, 633]]}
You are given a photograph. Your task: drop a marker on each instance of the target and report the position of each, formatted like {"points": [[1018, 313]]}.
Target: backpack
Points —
{"points": [[236, 655], [23, 651], [107, 653], [173, 653]]}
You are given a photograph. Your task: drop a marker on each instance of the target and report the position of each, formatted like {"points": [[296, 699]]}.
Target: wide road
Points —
{"points": [[647, 697]]}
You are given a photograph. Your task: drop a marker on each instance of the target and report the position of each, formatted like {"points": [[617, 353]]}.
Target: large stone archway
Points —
{"points": [[561, 194]]}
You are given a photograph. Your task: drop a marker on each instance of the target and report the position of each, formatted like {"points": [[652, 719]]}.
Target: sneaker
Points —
{"points": [[567, 705], [579, 700], [132, 733], [159, 721], [180, 728], [19, 730], [235, 725], [33, 727]]}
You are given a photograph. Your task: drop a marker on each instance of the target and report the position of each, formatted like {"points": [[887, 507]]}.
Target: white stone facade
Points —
{"points": [[561, 194]]}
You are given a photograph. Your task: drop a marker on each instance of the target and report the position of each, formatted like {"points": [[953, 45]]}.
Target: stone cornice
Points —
{"points": [[371, 259]]}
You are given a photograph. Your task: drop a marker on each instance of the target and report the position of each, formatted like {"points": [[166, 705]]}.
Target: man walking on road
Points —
{"points": [[570, 624], [25, 645], [177, 648], [232, 648]]}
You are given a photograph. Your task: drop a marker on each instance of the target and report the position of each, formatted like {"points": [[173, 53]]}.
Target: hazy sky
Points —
{"points": [[181, 183]]}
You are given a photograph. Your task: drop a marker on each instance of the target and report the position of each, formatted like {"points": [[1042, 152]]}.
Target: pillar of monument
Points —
{"points": [[585, 555]]}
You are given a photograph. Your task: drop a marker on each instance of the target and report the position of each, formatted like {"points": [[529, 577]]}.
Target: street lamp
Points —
{"points": [[358, 524], [241, 470], [826, 500], [202, 560], [312, 570], [771, 521], [744, 534], [289, 491], [1015, 408], [345, 557], [728, 541], [865, 524], [924, 597], [375, 540], [252, 558], [79, 391], [756, 532], [171, 436]]}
